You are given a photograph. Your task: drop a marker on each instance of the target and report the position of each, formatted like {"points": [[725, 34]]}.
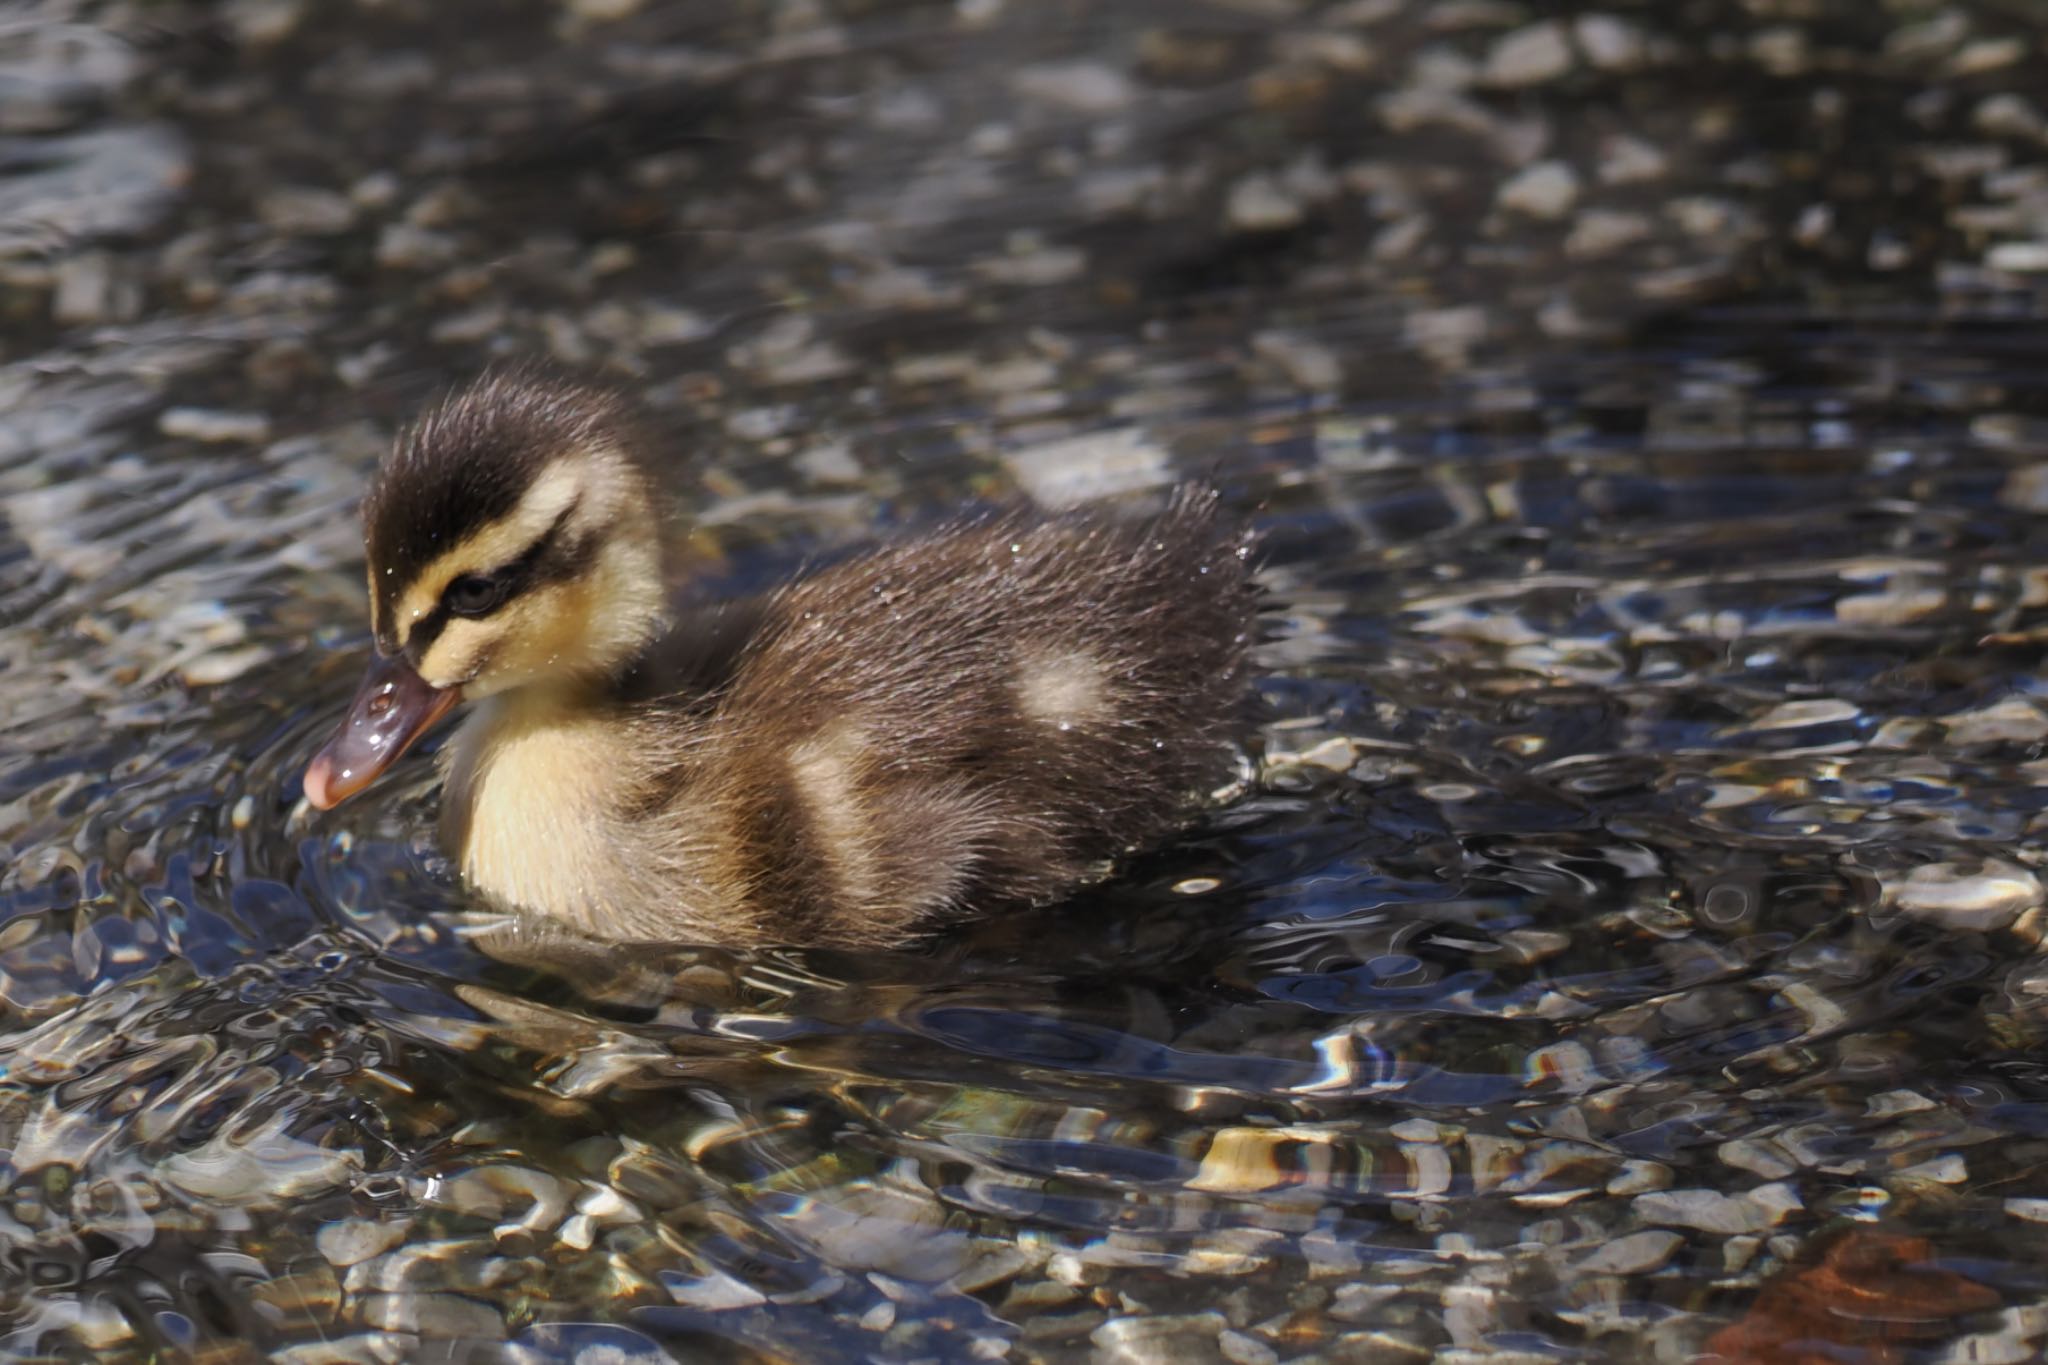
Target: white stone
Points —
{"points": [[1546, 190], [1081, 469], [1078, 87], [1946, 1169], [1259, 203], [1634, 1254], [213, 425], [2010, 115], [1611, 43], [443, 1316], [354, 1240], [1892, 1103], [1446, 335], [715, 1292], [1726, 1214], [1529, 56], [1310, 364], [2008, 720], [2023, 258], [1988, 897], [1758, 1158], [1601, 232], [1627, 160]]}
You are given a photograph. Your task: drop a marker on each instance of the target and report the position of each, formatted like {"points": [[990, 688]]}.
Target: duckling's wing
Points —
{"points": [[980, 714]]}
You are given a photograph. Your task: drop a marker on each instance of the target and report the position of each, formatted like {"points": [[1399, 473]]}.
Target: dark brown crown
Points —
{"points": [[467, 463]]}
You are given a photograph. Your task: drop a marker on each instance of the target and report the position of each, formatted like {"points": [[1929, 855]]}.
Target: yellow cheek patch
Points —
{"points": [[544, 630], [457, 652], [501, 542]]}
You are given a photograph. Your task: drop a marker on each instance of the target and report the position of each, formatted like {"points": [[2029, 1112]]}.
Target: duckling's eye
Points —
{"points": [[476, 594]]}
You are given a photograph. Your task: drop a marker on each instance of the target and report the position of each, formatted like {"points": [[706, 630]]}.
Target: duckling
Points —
{"points": [[977, 717]]}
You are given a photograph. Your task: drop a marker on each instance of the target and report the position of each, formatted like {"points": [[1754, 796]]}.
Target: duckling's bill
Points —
{"points": [[393, 707]]}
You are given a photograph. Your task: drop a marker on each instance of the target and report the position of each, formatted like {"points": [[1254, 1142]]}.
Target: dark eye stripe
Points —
{"points": [[517, 573]]}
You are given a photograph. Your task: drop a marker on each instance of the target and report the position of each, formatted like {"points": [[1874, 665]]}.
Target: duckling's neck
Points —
{"points": [[533, 777]]}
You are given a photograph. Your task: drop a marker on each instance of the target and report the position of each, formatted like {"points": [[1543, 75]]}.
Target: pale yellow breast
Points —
{"points": [[530, 810]]}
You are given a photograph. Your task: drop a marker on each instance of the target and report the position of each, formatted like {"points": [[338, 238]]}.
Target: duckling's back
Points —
{"points": [[973, 719]]}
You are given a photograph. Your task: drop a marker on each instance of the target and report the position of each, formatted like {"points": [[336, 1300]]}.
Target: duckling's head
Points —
{"points": [[512, 540]]}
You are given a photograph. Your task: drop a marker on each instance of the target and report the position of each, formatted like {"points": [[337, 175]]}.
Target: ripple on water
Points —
{"points": [[1625, 941], [1588, 938]]}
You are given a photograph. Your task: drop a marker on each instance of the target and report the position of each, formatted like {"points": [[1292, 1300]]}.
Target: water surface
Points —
{"points": [[1625, 944]]}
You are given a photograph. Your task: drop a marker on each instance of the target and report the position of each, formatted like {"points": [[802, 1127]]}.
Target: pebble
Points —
{"points": [[1928, 38], [1361, 1300], [1309, 364], [307, 211], [1983, 55], [1017, 375], [1900, 604], [1080, 87], [788, 352], [1638, 1177], [1636, 1254], [715, 1292], [2010, 720], [472, 326], [1258, 203], [1597, 233], [214, 426], [261, 23], [1982, 898], [1329, 1255], [1087, 468], [1946, 1169], [263, 1168], [1893, 1103], [668, 325], [2022, 258], [1529, 56], [1757, 1157], [353, 1240], [604, 11], [1546, 190], [1166, 1339], [2010, 115], [401, 246], [515, 1197], [1034, 268], [1753, 1211], [1782, 50], [91, 288], [440, 1316], [1629, 160], [1612, 43], [363, 1348], [1240, 1349], [1446, 335]]}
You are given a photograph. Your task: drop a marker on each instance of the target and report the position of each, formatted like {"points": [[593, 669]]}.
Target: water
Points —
{"points": [[1626, 943]]}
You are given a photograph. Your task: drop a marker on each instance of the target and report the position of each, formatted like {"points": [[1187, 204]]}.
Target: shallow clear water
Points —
{"points": [[1625, 946]]}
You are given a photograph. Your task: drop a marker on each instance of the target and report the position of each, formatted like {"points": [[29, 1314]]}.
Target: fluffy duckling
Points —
{"points": [[970, 719]]}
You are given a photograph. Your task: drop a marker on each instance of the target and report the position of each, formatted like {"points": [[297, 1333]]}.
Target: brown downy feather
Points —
{"points": [[973, 719]]}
